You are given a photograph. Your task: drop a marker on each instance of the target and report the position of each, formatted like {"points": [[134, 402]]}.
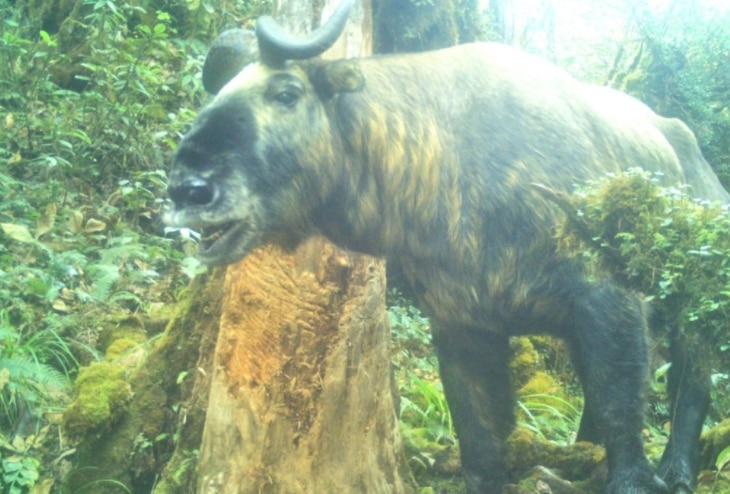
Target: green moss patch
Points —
{"points": [[102, 396]]}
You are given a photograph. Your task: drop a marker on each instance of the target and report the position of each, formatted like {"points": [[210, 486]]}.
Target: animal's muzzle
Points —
{"points": [[193, 191]]}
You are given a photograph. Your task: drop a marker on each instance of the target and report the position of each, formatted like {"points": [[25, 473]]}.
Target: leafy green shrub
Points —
{"points": [[93, 97], [30, 384], [658, 241], [20, 474], [411, 332], [89, 111], [29, 375], [662, 243]]}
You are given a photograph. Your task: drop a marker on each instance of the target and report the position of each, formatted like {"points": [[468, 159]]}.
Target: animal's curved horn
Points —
{"points": [[277, 46], [231, 51]]}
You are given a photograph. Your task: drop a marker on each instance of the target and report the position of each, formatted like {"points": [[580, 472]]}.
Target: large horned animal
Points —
{"points": [[429, 160]]}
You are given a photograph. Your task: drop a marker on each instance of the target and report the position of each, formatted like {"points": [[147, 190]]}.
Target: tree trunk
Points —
{"points": [[302, 396]]}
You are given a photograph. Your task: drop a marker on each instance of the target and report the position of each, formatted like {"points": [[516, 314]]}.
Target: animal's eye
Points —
{"points": [[287, 97], [284, 90]]}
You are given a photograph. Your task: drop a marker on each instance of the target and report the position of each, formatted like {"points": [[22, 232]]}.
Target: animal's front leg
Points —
{"points": [[475, 374]]}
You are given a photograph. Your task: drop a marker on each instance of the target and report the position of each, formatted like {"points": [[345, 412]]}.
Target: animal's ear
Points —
{"points": [[332, 78]]}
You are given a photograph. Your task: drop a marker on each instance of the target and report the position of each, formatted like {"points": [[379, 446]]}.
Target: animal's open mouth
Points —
{"points": [[216, 236], [220, 242], [211, 234]]}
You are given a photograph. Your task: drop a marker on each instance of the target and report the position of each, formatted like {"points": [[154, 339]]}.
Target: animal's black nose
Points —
{"points": [[191, 192]]}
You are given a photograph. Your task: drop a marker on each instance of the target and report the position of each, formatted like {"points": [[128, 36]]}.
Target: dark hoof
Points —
{"points": [[681, 488], [477, 484], [678, 476], [637, 483]]}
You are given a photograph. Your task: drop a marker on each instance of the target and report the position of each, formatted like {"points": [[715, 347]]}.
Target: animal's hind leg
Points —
{"points": [[590, 429], [609, 352], [689, 397], [475, 375]]}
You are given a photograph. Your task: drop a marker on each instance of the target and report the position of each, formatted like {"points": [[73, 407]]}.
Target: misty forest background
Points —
{"points": [[94, 96]]}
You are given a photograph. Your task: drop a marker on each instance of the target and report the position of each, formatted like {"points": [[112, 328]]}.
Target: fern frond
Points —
{"points": [[120, 248], [103, 277], [28, 375]]}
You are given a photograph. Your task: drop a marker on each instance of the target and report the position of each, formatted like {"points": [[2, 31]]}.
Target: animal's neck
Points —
{"points": [[387, 197]]}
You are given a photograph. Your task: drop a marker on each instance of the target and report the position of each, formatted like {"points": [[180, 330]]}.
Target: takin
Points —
{"points": [[430, 160]]}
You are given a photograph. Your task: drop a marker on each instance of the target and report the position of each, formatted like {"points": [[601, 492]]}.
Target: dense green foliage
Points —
{"points": [[93, 98]]}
